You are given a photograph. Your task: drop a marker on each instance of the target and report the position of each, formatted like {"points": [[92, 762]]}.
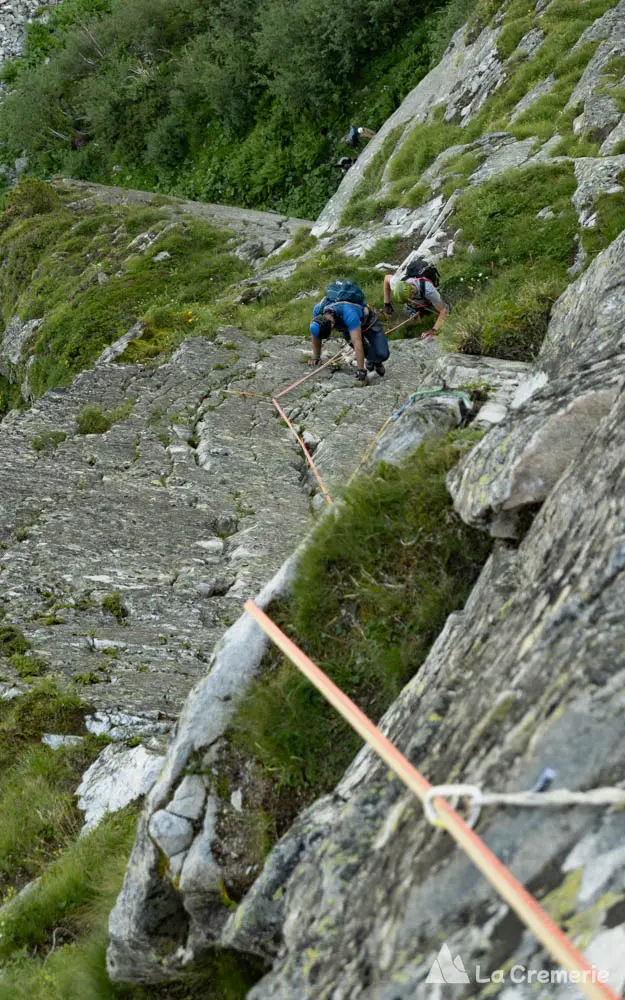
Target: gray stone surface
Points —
{"points": [[461, 81], [13, 343], [268, 230], [55, 741], [531, 42], [511, 156], [539, 90], [616, 136], [599, 117], [189, 798], [173, 834], [119, 776], [595, 176], [582, 366], [527, 675]]}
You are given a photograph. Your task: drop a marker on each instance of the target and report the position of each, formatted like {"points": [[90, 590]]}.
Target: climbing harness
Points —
{"points": [[510, 889]]}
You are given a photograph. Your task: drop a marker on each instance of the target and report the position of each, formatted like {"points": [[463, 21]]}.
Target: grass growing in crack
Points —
{"points": [[94, 420], [47, 440], [372, 592]]}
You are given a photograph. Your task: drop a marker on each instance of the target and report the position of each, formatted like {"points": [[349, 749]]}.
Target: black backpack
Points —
{"points": [[419, 268]]}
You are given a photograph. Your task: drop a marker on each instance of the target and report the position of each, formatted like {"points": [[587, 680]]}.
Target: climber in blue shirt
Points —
{"points": [[358, 325]]}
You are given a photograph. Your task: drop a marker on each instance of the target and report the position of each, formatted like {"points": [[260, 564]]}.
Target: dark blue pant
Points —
{"points": [[375, 344]]}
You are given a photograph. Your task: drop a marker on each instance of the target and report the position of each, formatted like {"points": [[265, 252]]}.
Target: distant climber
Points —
{"points": [[344, 308], [344, 163], [418, 291], [355, 136]]}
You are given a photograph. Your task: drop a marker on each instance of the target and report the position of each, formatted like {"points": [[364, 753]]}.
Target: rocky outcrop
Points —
{"points": [[581, 368], [186, 865], [463, 79], [14, 17], [257, 233], [357, 898]]}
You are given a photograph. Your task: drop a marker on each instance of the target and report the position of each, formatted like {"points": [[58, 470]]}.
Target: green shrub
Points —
{"points": [[30, 197], [238, 101], [28, 666], [114, 604], [372, 593]]}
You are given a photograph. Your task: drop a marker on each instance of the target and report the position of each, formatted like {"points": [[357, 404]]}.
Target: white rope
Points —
{"points": [[558, 798]]}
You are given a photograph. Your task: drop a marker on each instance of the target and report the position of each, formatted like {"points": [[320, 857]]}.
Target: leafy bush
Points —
{"points": [[228, 101], [32, 197]]}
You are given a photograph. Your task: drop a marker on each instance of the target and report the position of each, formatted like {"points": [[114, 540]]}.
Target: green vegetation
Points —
{"points": [[243, 102], [47, 440], [372, 593], [93, 420], [510, 266], [114, 604], [53, 940], [90, 282], [12, 641]]}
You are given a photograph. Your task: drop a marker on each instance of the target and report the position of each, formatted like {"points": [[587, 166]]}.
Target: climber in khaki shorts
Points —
{"points": [[418, 291]]}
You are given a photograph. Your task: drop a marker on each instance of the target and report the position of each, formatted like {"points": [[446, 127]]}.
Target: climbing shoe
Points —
{"points": [[379, 369], [360, 374]]}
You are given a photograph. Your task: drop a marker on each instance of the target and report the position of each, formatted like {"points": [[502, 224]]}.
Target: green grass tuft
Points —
{"points": [[93, 420], [47, 440], [114, 604]]}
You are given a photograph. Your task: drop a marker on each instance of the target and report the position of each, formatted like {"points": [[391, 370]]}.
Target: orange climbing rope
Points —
{"points": [[509, 888], [307, 454], [339, 356]]}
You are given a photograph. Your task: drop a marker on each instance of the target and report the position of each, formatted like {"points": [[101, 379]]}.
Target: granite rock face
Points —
{"points": [[357, 899], [581, 367], [463, 79], [171, 909]]}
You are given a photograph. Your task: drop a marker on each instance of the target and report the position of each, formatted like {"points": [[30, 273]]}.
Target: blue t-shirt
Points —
{"points": [[348, 317]]}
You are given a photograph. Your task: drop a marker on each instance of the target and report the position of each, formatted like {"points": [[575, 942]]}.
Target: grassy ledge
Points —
{"points": [[85, 274]]}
